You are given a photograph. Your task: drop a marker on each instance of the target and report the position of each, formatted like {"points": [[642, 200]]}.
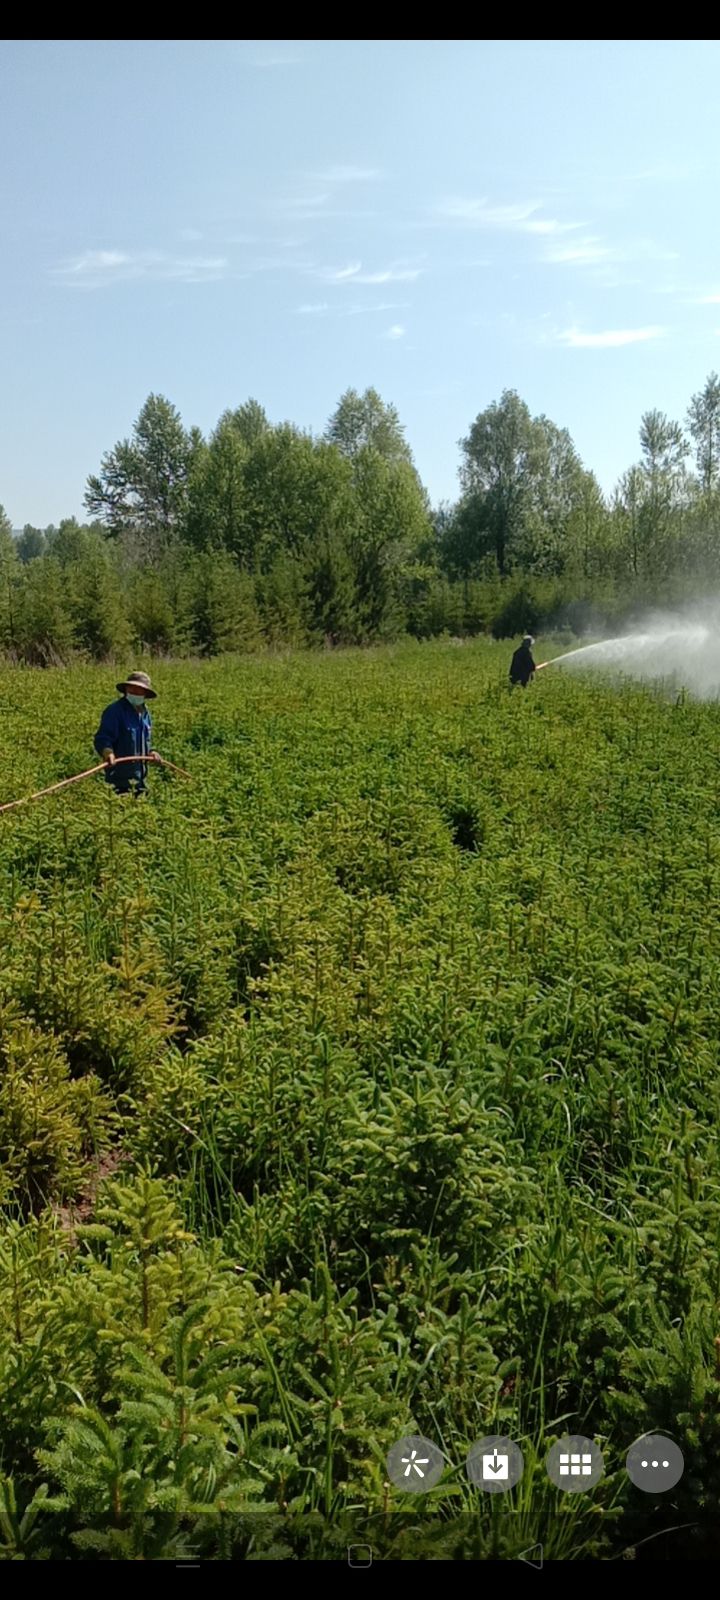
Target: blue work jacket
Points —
{"points": [[126, 731]]}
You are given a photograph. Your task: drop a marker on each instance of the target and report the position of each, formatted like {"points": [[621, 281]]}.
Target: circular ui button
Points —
{"points": [[575, 1463], [415, 1464], [495, 1464], [654, 1463]]}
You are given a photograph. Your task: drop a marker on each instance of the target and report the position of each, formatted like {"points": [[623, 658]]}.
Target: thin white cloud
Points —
{"points": [[662, 172], [323, 308], [547, 226], [271, 263], [390, 275], [348, 174], [382, 305], [592, 251], [397, 331], [95, 269], [308, 205], [95, 260], [304, 207], [581, 252], [708, 300], [525, 217], [483, 215], [648, 250], [316, 204], [341, 274], [306, 202], [609, 339], [568, 244], [398, 272]]}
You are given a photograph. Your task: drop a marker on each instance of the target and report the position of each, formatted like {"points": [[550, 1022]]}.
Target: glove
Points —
{"points": [[109, 757]]}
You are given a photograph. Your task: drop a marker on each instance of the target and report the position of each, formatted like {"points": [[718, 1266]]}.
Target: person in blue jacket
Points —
{"points": [[126, 730]]}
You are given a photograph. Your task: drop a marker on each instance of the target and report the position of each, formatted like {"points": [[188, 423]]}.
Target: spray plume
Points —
{"points": [[681, 648]]}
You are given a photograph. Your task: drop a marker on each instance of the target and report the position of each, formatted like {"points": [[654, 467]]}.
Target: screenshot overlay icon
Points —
{"points": [[495, 1464]]}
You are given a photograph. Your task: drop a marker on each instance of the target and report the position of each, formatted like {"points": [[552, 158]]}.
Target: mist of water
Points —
{"points": [[683, 649]]}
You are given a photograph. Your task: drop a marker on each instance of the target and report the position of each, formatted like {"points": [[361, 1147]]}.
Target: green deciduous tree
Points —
{"points": [[522, 482], [589, 529], [69, 541], [141, 489], [651, 497], [704, 424], [216, 502], [296, 489], [31, 542], [664, 449], [249, 421], [362, 421], [500, 462], [464, 537], [392, 524], [627, 517]]}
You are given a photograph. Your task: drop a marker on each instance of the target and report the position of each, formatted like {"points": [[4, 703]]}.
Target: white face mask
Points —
{"points": [[136, 700]]}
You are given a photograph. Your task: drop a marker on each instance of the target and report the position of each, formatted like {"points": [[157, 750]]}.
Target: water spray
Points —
{"points": [[669, 648]]}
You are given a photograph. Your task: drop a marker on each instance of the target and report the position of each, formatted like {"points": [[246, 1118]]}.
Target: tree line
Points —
{"points": [[266, 534]]}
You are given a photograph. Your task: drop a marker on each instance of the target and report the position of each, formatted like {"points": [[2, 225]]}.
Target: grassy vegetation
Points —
{"points": [[397, 1035]]}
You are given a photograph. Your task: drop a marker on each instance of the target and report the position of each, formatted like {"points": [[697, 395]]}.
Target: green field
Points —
{"points": [[393, 1037]]}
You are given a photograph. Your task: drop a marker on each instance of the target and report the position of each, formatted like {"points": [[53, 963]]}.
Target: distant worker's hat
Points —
{"points": [[528, 638], [138, 682]]}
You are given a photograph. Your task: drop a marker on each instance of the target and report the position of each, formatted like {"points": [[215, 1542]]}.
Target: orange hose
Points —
{"points": [[151, 760]]}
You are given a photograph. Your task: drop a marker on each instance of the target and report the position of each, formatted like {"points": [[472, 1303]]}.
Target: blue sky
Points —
{"points": [[284, 219]]}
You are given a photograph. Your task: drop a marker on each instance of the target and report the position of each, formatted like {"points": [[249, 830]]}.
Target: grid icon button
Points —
{"points": [[575, 1463]]}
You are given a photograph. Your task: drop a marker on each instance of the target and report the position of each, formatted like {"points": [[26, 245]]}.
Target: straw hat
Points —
{"points": [[138, 682]]}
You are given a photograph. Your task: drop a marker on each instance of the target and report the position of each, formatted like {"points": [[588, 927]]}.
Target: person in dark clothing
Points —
{"points": [[522, 665], [126, 730]]}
